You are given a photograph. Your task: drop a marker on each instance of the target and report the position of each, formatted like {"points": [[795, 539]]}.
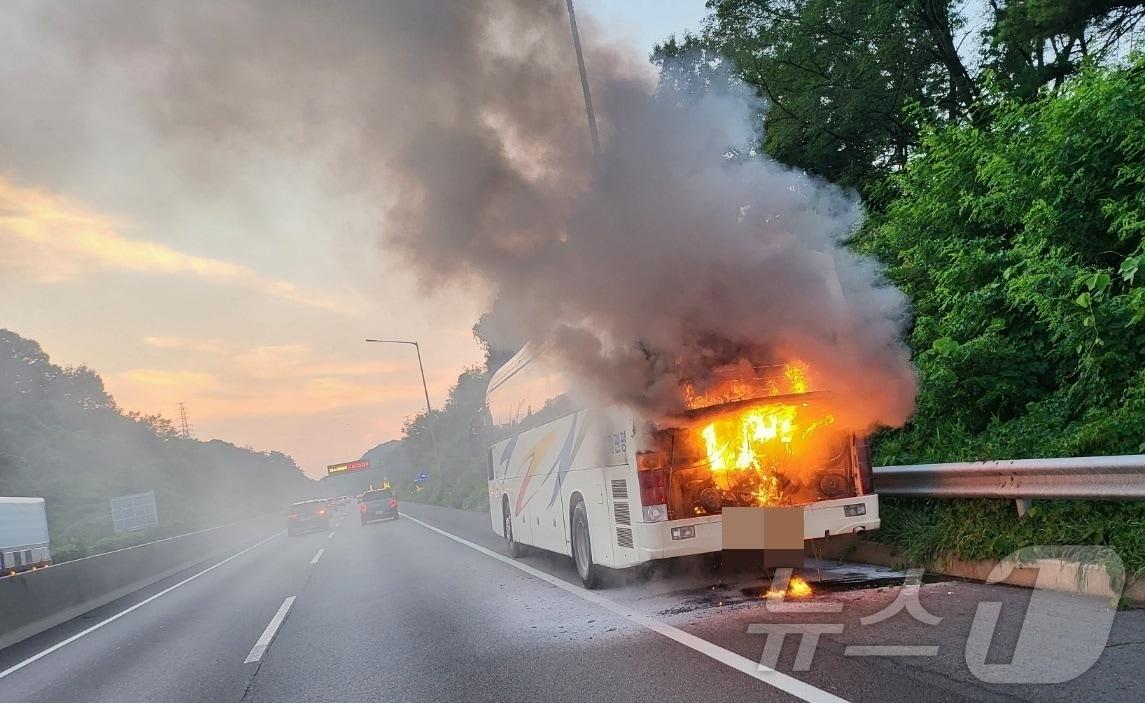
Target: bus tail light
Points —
{"points": [[649, 461], [654, 494], [361, 507], [393, 503]]}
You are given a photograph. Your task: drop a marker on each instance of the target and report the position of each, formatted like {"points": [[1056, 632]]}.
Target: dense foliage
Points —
{"points": [[1019, 244], [851, 85], [847, 84], [63, 438]]}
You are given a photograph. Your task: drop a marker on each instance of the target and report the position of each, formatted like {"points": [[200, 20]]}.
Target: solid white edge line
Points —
{"points": [[317, 556], [771, 677], [271, 630], [138, 605]]}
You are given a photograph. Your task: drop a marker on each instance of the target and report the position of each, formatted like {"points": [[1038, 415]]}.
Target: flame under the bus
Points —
{"points": [[797, 587], [748, 449]]}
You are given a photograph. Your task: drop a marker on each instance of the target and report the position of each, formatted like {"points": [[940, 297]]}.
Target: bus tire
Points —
{"points": [[516, 549], [588, 571]]}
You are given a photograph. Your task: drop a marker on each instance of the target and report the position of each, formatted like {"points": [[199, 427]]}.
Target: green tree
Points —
{"points": [[1034, 43], [63, 438], [848, 84], [1020, 244]]}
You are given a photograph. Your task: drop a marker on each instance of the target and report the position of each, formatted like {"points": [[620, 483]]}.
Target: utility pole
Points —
{"points": [[425, 389], [584, 83], [184, 423]]}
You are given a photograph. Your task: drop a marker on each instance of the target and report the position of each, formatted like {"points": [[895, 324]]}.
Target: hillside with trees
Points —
{"points": [[63, 438]]}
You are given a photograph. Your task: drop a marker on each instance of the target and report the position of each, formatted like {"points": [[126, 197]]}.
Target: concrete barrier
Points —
{"points": [[1065, 576], [34, 601]]}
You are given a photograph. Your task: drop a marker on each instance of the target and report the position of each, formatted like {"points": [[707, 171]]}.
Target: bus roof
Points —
{"points": [[525, 385]]}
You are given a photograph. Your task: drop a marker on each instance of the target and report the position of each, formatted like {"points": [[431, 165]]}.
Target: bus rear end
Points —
{"points": [[779, 450]]}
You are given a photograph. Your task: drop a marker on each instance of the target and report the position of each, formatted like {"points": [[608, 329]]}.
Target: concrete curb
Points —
{"points": [[1065, 576]]}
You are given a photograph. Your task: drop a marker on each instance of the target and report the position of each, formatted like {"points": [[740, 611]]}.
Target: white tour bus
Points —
{"points": [[610, 490]]}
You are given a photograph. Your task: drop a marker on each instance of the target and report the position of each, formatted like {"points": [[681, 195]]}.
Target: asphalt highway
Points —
{"points": [[428, 608]]}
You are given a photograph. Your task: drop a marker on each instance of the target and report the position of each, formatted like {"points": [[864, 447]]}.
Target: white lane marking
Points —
{"points": [[317, 556], [769, 676], [268, 634], [330, 536], [138, 605]]}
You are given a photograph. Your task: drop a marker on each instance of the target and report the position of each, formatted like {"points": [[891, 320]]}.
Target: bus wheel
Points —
{"points": [[516, 549], [582, 548]]}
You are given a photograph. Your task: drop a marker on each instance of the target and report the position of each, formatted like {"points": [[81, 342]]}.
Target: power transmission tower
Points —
{"points": [[184, 423]]}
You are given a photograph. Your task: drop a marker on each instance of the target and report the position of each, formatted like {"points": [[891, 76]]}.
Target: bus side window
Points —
{"points": [[490, 471]]}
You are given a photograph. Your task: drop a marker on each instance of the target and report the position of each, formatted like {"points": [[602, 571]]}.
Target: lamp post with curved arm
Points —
{"points": [[425, 388]]}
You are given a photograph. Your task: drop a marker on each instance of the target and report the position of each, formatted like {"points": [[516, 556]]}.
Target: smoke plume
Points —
{"points": [[679, 250]]}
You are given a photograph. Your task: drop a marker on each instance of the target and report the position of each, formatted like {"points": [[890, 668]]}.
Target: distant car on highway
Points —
{"points": [[307, 516], [379, 504]]}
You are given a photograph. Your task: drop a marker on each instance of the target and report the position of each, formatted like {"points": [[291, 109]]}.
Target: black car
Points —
{"points": [[378, 504], [307, 516]]}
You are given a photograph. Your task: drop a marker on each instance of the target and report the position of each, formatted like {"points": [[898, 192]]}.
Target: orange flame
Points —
{"points": [[796, 375], [746, 448], [798, 588]]}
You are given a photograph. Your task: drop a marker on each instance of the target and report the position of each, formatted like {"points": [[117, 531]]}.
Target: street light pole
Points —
{"points": [[584, 83], [425, 389]]}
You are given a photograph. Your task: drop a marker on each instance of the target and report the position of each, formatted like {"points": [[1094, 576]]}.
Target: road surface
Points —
{"points": [[427, 608]]}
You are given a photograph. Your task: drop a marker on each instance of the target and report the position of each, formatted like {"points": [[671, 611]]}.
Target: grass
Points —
{"points": [[925, 529]]}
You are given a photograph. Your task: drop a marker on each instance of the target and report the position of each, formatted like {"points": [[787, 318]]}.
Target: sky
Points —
{"points": [[250, 304]]}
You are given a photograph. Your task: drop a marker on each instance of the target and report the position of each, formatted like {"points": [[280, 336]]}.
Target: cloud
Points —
{"points": [[213, 397], [50, 239], [169, 379], [297, 360], [203, 346], [288, 380]]}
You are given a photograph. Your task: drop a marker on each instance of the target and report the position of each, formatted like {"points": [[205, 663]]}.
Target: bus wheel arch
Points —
{"points": [[586, 568]]}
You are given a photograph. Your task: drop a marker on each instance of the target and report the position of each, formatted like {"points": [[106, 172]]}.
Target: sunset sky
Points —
{"points": [[250, 305]]}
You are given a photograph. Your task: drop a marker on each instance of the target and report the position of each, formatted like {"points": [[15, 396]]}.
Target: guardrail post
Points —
{"points": [[1023, 505]]}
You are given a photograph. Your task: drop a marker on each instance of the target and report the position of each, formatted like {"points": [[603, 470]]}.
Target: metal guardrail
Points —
{"points": [[1087, 478]]}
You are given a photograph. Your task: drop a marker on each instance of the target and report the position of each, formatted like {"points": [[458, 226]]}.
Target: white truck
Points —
{"points": [[24, 542]]}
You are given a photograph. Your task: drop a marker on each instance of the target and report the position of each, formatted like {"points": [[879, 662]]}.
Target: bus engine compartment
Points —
{"points": [[778, 447]]}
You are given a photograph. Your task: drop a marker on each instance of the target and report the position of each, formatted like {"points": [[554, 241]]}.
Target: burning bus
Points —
{"points": [[613, 490]]}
